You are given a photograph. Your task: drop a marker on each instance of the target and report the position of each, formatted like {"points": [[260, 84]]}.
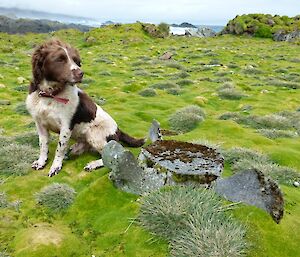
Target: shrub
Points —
{"points": [[56, 197], [148, 92], [13, 161], [164, 28], [186, 119], [193, 221]]}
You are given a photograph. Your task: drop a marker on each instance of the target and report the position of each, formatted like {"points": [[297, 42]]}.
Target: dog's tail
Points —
{"points": [[129, 140]]}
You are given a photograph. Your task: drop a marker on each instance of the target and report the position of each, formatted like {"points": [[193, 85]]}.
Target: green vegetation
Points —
{"points": [[56, 196], [261, 25], [193, 221], [98, 221], [186, 119]]}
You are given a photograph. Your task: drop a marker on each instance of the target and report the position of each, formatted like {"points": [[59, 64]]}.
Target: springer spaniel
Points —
{"points": [[58, 105]]}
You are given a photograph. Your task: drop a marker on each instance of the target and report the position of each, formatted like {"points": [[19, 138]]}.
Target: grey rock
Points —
{"points": [[252, 187], [125, 171], [184, 161], [281, 35], [166, 56], [154, 131], [200, 32]]}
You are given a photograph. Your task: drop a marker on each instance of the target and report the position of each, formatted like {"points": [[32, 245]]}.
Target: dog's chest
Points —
{"points": [[51, 113]]}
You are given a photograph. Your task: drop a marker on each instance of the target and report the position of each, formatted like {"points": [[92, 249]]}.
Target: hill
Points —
{"points": [[247, 86], [262, 25]]}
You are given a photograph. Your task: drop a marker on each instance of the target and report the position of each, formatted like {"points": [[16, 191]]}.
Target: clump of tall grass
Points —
{"points": [[148, 92], [56, 196], [21, 109], [186, 119], [185, 82], [193, 221], [13, 161], [276, 133], [228, 91]]}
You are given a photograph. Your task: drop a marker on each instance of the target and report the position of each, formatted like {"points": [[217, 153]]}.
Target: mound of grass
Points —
{"points": [[186, 119], [56, 196], [30, 138], [228, 91], [193, 221], [271, 121], [276, 133], [175, 65], [236, 154], [173, 91], [13, 160], [164, 85], [148, 92], [21, 109], [184, 82]]}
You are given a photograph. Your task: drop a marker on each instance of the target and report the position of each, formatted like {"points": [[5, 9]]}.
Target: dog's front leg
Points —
{"points": [[43, 141], [64, 136]]}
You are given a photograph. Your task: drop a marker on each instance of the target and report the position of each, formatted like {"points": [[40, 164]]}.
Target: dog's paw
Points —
{"points": [[54, 170], [94, 165], [38, 165]]}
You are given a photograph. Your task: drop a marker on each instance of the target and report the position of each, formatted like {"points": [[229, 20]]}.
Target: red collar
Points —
{"points": [[53, 95]]}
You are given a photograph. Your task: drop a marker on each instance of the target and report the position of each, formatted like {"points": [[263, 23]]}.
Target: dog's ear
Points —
{"points": [[37, 62]]}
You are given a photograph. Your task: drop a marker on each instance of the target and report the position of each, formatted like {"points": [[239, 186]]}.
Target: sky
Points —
{"points": [[214, 12]]}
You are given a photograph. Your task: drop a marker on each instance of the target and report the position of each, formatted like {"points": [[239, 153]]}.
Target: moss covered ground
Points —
{"points": [[119, 62]]}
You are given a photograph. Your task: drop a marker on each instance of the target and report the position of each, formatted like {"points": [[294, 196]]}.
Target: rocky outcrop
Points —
{"points": [[184, 25], [22, 26], [252, 187], [281, 35], [200, 32]]}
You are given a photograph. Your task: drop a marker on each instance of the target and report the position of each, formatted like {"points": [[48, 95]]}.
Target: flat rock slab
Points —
{"points": [[184, 159], [252, 187]]}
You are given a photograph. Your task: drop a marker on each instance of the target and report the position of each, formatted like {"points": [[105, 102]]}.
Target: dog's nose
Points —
{"points": [[78, 73]]}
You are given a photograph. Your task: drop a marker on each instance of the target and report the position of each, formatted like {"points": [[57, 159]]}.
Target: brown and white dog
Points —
{"points": [[57, 104]]}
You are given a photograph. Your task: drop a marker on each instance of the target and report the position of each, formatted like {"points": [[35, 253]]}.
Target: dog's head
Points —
{"points": [[56, 61]]}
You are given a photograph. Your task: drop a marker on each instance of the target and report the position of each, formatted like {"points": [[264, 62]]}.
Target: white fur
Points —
{"points": [[55, 116], [73, 65]]}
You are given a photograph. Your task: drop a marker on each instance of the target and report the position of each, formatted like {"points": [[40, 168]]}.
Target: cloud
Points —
{"points": [[195, 11]]}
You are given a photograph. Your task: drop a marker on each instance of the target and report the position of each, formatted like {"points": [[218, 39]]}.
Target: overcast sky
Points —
{"points": [[216, 12]]}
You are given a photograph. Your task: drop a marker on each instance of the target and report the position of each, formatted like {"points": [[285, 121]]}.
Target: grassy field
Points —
{"points": [[247, 76]]}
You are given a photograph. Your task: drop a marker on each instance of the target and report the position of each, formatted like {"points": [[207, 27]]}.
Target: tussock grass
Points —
{"points": [[56, 196], [252, 71], [148, 92], [276, 133], [105, 73], [228, 91], [165, 85], [282, 83], [193, 221], [175, 65], [3, 200], [185, 82], [174, 91], [21, 109], [186, 119], [15, 158], [236, 154], [271, 121], [30, 138], [283, 175]]}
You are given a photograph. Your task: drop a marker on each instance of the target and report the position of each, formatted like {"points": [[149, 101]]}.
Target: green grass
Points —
{"points": [[98, 221]]}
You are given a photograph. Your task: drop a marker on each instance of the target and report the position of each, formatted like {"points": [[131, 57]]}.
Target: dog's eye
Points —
{"points": [[78, 62], [60, 59]]}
